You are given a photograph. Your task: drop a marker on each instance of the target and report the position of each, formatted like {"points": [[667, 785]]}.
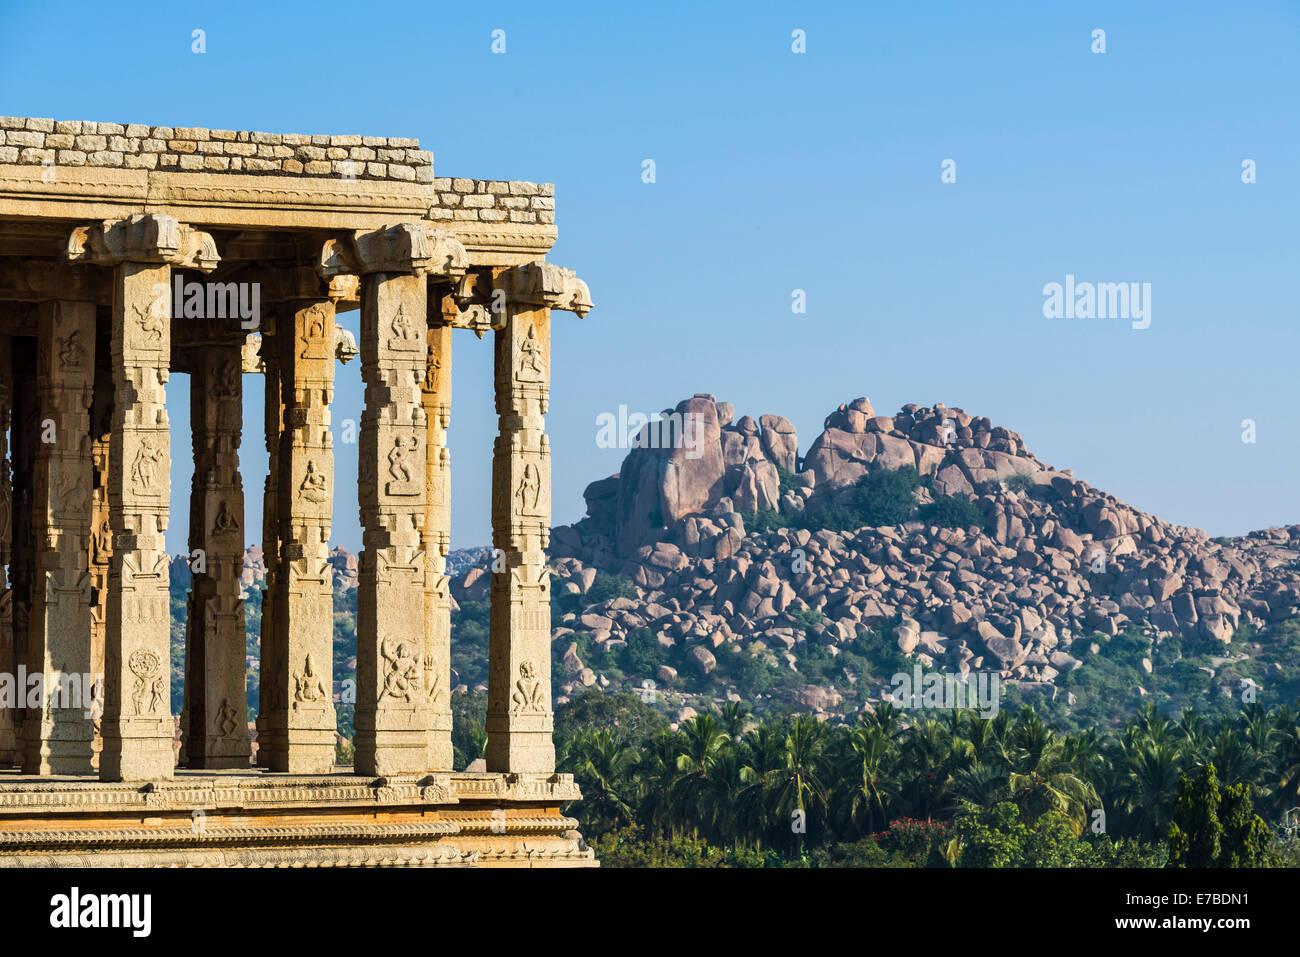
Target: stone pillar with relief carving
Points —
{"points": [[137, 722], [24, 437], [395, 664], [101, 430], [10, 750], [302, 717], [216, 733], [271, 707], [436, 400], [59, 735], [519, 719]]}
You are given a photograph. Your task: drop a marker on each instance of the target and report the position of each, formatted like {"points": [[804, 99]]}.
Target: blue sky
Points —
{"points": [[820, 171]]}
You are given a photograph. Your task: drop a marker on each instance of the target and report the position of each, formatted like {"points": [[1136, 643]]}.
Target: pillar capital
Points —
{"points": [[544, 285], [402, 248], [149, 238]]}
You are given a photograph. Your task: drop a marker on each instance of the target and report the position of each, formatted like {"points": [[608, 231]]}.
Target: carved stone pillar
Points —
{"points": [[101, 430], [137, 708], [301, 692], [270, 735], [393, 718], [24, 437], [436, 538], [519, 720], [10, 751], [137, 724], [59, 737], [392, 711], [216, 733]]}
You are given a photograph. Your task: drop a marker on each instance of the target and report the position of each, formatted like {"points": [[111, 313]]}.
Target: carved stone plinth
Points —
{"points": [[229, 819]]}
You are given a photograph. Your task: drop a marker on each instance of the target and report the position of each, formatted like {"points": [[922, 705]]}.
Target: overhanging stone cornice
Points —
{"points": [[233, 201]]}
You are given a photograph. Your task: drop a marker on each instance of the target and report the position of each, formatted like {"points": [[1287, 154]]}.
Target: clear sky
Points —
{"points": [[819, 171]]}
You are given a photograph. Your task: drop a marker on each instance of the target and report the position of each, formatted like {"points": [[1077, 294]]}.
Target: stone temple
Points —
{"points": [[128, 252]]}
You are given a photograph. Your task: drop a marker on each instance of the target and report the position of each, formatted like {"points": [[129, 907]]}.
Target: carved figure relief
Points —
{"points": [[225, 521], [431, 681], [99, 544], [150, 324], [432, 364], [73, 495], [227, 720], [147, 668], [147, 458], [403, 331], [314, 487], [399, 468], [401, 670], [308, 687], [71, 351], [313, 331], [530, 358], [530, 488], [527, 697], [226, 385]]}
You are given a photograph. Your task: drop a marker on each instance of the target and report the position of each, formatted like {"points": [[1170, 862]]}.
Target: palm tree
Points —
{"points": [[718, 802], [702, 741], [1259, 730], [987, 746], [1144, 786], [1193, 729], [762, 753], [979, 784], [1233, 758], [1152, 724], [1042, 780], [656, 776], [887, 716], [601, 764], [735, 715], [866, 779], [925, 768], [1285, 777], [797, 793]]}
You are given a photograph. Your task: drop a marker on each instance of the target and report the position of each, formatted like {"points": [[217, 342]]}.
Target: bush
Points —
{"points": [[882, 497], [806, 618], [1020, 482], [605, 587], [886, 496], [768, 520], [953, 511], [641, 655]]}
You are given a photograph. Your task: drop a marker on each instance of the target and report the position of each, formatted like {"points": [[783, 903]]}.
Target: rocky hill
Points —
{"points": [[720, 563], [721, 538]]}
